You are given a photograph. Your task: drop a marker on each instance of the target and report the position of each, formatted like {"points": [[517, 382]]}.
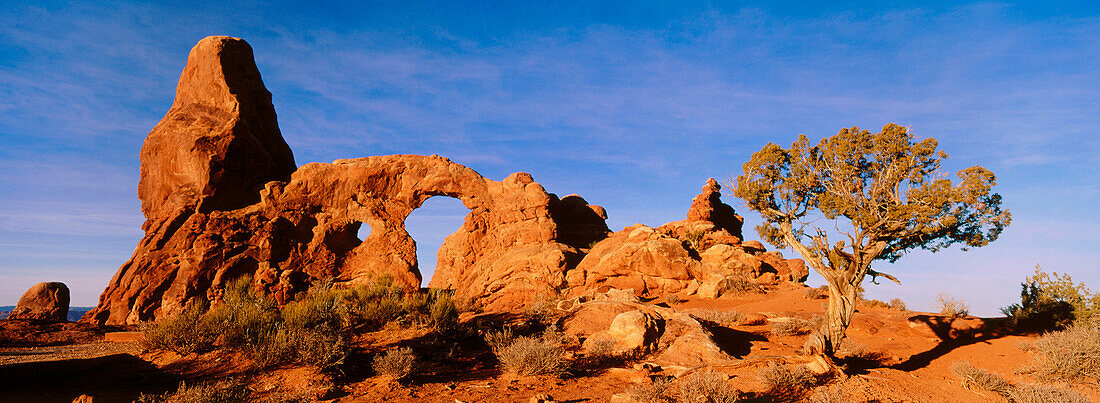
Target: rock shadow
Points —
{"points": [[736, 343], [952, 337], [112, 378]]}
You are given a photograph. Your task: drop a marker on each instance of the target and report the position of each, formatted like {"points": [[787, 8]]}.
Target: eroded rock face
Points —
{"points": [[223, 200], [697, 256], [44, 302]]}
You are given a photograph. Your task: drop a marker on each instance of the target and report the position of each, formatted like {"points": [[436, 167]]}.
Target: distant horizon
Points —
{"points": [[631, 107]]}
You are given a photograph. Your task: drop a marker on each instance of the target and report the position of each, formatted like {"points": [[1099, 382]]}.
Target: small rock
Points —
{"points": [[542, 398], [83, 399]]}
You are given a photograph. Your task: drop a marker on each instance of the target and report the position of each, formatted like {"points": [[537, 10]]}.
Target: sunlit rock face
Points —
{"points": [[223, 199]]}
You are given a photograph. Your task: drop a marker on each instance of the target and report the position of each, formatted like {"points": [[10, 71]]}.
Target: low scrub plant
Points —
{"points": [[397, 363], [898, 304], [224, 391], [707, 386], [184, 333], [784, 382], [731, 317], [791, 327], [1072, 354], [657, 391], [951, 307], [830, 394], [977, 378], [527, 355]]}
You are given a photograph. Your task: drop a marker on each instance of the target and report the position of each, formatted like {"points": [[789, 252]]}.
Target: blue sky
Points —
{"points": [[632, 106]]}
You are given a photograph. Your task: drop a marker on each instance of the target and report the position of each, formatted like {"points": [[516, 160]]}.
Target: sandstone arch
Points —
{"points": [[219, 204]]}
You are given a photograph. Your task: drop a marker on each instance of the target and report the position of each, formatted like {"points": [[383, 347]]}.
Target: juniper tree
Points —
{"points": [[878, 195]]}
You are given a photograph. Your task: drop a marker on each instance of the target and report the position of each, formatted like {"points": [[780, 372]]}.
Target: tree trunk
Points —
{"points": [[842, 300]]}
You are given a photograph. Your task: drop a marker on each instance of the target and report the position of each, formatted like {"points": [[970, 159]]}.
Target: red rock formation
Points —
{"points": [[219, 205], [43, 302], [693, 256]]}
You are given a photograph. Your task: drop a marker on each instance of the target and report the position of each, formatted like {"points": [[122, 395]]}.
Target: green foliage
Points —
{"points": [[1051, 301], [887, 185], [883, 193]]}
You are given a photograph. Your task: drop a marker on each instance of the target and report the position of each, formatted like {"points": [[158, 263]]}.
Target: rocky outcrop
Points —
{"points": [[671, 337], [702, 255], [222, 200], [47, 302]]}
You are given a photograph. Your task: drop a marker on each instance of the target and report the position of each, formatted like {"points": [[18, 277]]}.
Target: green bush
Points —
{"points": [[1051, 301], [442, 311]]}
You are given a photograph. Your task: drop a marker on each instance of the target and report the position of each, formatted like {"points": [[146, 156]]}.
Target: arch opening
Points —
{"points": [[429, 225]]}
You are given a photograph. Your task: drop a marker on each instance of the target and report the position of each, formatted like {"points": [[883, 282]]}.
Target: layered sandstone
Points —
{"points": [[222, 199]]}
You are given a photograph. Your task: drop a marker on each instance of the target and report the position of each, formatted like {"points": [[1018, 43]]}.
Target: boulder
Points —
{"points": [[44, 302], [632, 332]]}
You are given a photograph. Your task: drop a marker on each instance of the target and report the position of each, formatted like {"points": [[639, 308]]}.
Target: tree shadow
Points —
{"points": [[112, 378], [734, 342], [952, 337]]}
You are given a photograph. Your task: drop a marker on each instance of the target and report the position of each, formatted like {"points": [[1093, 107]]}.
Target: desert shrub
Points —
{"points": [[739, 285], [441, 310], [730, 317], [974, 377], [830, 394], [397, 363], [874, 303], [497, 340], [817, 293], [543, 309], [1046, 394], [674, 299], [602, 347], [1071, 354], [1051, 301], [532, 355], [184, 333], [790, 327], [859, 354], [377, 303], [224, 391], [707, 386], [898, 304], [657, 391], [784, 383], [950, 306]]}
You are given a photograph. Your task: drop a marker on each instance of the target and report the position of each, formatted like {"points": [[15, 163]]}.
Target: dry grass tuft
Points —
{"points": [[223, 391], [658, 391], [830, 394], [974, 377], [791, 327], [1046, 394], [1069, 355], [726, 318], [785, 383], [530, 355], [397, 363], [707, 386]]}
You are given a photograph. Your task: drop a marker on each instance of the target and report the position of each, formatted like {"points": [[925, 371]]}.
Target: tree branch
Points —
{"points": [[874, 275]]}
